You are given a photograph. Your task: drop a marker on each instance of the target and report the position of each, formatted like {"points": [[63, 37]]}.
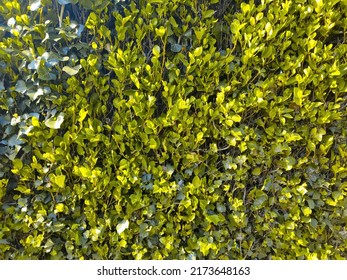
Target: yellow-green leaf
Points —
{"points": [[59, 208], [153, 144], [161, 31], [135, 80], [256, 171], [60, 180], [196, 181], [198, 51], [199, 136], [82, 115], [220, 97], [156, 50]]}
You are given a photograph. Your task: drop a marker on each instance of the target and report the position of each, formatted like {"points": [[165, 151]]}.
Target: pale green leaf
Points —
{"points": [[156, 50], [85, 172], [220, 97], [82, 115], [161, 31], [198, 51], [35, 5], [153, 144], [72, 70], [196, 181], [59, 208], [55, 122], [122, 226], [60, 180]]}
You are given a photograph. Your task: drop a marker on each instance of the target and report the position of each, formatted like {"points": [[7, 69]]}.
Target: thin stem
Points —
{"points": [[61, 16]]}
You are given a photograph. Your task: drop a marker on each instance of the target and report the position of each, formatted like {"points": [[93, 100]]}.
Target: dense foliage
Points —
{"points": [[173, 129]]}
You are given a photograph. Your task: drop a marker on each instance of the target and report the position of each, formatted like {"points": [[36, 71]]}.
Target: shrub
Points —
{"points": [[173, 130]]}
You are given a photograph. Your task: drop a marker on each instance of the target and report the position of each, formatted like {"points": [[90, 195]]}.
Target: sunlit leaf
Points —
{"points": [[122, 226], [35, 5], [198, 51], [59, 207], [55, 122], [72, 70], [156, 50]]}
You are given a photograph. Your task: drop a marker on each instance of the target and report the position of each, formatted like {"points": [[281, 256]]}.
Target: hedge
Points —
{"points": [[174, 129]]}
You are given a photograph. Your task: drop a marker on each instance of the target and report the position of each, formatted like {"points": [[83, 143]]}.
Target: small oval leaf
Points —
{"points": [[122, 226], [72, 70], [176, 48], [156, 50]]}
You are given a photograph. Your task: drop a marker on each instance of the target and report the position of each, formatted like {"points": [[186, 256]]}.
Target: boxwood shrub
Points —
{"points": [[174, 129]]}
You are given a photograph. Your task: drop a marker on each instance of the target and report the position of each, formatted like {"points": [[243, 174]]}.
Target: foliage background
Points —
{"points": [[173, 129]]}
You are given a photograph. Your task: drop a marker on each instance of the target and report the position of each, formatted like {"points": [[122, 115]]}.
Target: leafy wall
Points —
{"points": [[173, 129]]}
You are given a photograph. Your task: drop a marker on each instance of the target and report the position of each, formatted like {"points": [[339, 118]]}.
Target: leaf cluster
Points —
{"points": [[173, 130]]}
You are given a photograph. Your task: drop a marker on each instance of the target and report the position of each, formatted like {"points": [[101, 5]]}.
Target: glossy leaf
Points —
{"points": [[55, 122]]}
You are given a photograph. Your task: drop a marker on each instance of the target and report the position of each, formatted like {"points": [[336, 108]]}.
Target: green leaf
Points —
{"points": [[44, 73], [196, 181], [122, 226], [311, 44], [199, 136], [156, 50], [135, 80], [17, 164], [268, 29], [82, 115], [298, 96], [256, 171], [80, 150], [182, 104], [306, 211], [59, 208], [60, 180], [161, 31], [245, 8], [236, 26], [236, 118], [198, 51], [57, 227], [204, 248], [20, 86], [92, 20], [55, 122], [33, 95], [267, 51], [214, 219], [72, 70], [288, 163], [153, 144], [260, 200], [35, 5], [208, 13], [220, 97], [23, 189], [277, 148], [199, 33], [85, 172], [290, 137], [176, 48]]}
